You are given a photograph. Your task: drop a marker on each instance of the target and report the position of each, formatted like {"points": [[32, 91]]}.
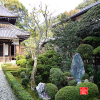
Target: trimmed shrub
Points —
{"points": [[72, 83], [18, 57], [22, 74], [85, 76], [92, 90], [25, 81], [68, 74], [22, 62], [21, 70], [51, 90], [67, 93], [30, 62], [57, 77], [8, 64], [18, 90]]}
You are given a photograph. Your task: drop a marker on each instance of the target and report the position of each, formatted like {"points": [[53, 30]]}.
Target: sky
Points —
{"points": [[58, 6]]}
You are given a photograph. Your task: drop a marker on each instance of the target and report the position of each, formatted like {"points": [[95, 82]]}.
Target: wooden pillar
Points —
{"points": [[3, 52], [10, 52]]}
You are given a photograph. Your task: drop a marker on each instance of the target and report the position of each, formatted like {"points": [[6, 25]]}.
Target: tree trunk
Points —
{"points": [[33, 74]]}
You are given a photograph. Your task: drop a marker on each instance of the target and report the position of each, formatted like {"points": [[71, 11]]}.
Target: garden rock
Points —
{"points": [[77, 68], [78, 81], [86, 80], [69, 78], [41, 89], [91, 79]]}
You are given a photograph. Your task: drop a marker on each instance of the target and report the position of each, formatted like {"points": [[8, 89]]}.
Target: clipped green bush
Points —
{"points": [[22, 74], [57, 77], [72, 83], [18, 90], [68, 74], [96, 51], [67, 93], [51, 90], [8, 64], [18, 57], [25, 81], [21, 70], [92, 90], [22, 63], [30, 62], [85, 76]]}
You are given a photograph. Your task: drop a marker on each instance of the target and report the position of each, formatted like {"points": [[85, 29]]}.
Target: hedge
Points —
{"points": [[19, 91]]}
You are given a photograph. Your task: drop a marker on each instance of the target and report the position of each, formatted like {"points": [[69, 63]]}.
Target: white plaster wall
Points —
{"points": [[6, 49], [16, 42]]}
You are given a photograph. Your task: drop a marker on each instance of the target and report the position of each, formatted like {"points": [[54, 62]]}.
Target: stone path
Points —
{"points": [[6, 92]]}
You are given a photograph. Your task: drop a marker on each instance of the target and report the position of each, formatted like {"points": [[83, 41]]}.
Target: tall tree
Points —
{"points": [[39, 32]]}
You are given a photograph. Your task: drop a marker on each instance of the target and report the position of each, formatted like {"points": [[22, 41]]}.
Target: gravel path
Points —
{"points": [[6, 92]]}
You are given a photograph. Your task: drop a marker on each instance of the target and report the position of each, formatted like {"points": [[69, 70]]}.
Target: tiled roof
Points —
{"points": [[9, 31], [84, 10], [4, 12]]}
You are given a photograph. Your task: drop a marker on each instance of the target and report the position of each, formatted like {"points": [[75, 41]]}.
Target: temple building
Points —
{"points": [[10, 36]]}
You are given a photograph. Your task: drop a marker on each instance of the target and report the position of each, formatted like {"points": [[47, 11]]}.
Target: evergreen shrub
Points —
{"points": [[21, 70], [85, 76], [30, 62], [25, 81], [51, 90], [22, 63], [68, 74], [57, 77], [22, 74], [72, 83], [92, 90], [67, 93]]}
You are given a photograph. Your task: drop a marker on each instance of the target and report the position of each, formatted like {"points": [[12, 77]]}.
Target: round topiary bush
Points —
{"points": [[25, 81], [57, 77], [51, 90], [68, 74], [85, 76], [72, 83], [22, 74], [67, 93], [92, 90]]}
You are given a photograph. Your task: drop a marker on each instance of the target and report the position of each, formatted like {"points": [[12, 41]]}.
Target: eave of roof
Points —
{"points": [[9, 31], [4, 12], [84, 10]]}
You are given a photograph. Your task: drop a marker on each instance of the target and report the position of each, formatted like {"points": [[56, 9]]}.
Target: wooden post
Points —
{"points": [[10, 52], [3, 52]]}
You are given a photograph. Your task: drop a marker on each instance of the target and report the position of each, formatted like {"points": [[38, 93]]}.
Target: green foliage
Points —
{"points": [[22, 74], [85, 76], [48, 46], [25, 81], [51, 90], [21, 70], [68, 74], [96, 51], [18, 90], [86, 52], [67, 93], [92, 90], [86, 3], [97, 78], [30, 62], [72, 83], [18, 57], [67, 42], [45, 62], [22, 62], [57, 77], [8, 64]]}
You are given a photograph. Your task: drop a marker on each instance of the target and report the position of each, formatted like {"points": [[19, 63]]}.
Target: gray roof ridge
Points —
{"points": [[14, 15]]}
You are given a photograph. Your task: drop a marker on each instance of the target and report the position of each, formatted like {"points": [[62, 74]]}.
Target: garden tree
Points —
{"points": [[67, 42], [39, 33], [18, 8], [85, 3], [88, 28]]}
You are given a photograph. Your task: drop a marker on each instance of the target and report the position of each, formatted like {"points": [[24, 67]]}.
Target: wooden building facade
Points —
{"points": [[10, 36]]}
